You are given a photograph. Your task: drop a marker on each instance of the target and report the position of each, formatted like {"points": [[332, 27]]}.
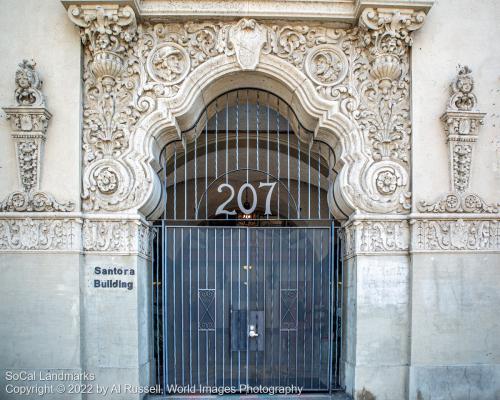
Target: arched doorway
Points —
{"points": [[247, 267]]}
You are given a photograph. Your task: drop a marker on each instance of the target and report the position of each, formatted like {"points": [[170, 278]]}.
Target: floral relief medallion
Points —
{"points": [[169, 63], [387, 182], [107, 181], [326, 65]]}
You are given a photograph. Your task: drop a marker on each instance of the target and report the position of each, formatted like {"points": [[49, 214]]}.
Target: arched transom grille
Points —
{"points": [[247, 157]]}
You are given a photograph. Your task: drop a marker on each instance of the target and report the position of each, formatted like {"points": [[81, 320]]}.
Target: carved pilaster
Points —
{"points": [[29, 121], [111, 181], [461, 124]]}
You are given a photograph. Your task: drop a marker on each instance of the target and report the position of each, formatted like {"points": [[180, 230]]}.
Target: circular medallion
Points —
{"points": [[387, 182], [107, 181], [326, 65], [169, 63]]}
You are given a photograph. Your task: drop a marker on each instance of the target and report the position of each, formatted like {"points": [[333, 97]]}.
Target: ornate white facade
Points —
{"points": [[417, 190]]}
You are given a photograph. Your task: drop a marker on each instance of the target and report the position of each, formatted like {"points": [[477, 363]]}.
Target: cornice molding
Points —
{"points": [[335, 11]]}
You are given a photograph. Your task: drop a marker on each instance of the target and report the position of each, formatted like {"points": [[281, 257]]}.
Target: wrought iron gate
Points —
{"points": [[247, 272]]}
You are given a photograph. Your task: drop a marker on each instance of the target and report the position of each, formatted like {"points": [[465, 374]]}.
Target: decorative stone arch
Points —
{"points": [[220, 75], [143, 84]]}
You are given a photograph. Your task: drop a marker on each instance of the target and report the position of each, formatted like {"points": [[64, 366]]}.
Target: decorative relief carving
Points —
{"points": [[39, 234], [453, 235], [376, 237], [326, 65], [169, 63], [129, 67], [29, 121], [33, 201], [28, 85], [68, 234], [461, 122], [123, 236], [247, 38]]}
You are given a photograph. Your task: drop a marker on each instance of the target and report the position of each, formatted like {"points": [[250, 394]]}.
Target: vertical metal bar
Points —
{"points": [[206, 164], [175, 180], [154, 240], [268, 141], [333, 264], [196, 175], [173, 292], [280, 251], [157, 314], [257, 128], [185, 180], [247, 231], [309, 181], [279, 154], [306, 245], [165, 191], [206, 287], [182, 307], [190, 319], [248, 148], [297, 313], [265, 306], [341, 290], [165, 304], [237, 130], [257, 268], [289, 287], [239, 298], [272, 299], [288, 158], [299, 204], [231, 299], [227, 142], [215, 299], [198, 303], [223, 302], [321, 303], [313, 264], [319, 180], [216, 139]]}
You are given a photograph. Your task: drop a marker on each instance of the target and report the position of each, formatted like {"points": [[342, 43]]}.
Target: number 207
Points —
{"points": [[226, 186]]}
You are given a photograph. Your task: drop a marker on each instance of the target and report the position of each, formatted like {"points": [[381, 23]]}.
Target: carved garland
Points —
{"points": [[129, 67]]}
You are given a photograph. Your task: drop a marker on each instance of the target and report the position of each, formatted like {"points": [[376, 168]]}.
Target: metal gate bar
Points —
{"points": [[227, 133], [290, 250], [285, 272]]}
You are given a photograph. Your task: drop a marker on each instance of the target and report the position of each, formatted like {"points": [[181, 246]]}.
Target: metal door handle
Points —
{"points": [[252, 332]]}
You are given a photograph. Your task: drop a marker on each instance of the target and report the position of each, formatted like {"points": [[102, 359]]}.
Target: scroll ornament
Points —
{"points": [[29, 121], [461, 124], [130, 68]]}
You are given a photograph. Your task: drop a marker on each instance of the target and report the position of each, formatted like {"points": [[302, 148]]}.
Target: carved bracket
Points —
{"points": [[461, 124], [29, 121]]}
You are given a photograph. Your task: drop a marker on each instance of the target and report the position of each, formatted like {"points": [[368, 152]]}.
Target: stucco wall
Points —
{"points": [[455, 352], [41, 30], [40, 293], [456, 32]]}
